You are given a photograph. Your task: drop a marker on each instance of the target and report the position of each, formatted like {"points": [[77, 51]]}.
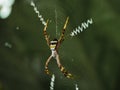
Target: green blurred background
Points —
{"points": [[92, 56]]}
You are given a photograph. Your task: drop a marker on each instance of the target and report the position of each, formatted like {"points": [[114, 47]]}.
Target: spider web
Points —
{"points": [[56, 16]]}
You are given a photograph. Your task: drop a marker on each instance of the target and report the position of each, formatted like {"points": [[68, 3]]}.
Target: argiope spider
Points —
{"points": [[54, 45]]}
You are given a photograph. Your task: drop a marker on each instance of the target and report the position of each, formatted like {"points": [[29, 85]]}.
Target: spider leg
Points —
{"points": [[46, 65], [63, 31], [66, 23], [45, 33], [58, 61], [62, 69]]}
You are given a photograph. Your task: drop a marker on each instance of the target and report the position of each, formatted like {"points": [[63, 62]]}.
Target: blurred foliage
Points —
{"points": [[93, 56]]}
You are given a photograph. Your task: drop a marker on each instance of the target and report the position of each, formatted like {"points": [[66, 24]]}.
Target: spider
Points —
{"points": [[54, 46]]}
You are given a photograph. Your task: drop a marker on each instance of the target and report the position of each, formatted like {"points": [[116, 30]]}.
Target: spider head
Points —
{"points": [[54, 41]]}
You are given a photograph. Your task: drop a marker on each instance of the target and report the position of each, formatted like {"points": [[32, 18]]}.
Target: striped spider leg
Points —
{"points": [[45, 33], [48, 43], [61, 39]]}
